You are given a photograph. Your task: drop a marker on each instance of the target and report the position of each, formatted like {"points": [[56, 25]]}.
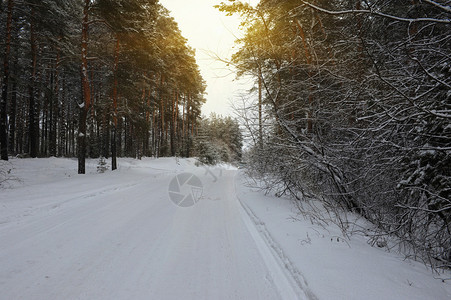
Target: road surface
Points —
{"points": [[119, 236]]}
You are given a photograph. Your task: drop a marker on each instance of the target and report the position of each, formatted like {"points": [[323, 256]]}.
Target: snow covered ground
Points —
{"points": [[124, 235]]}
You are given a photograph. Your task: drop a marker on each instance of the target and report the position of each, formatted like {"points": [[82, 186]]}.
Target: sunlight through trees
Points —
{"points": [[96, 78]]}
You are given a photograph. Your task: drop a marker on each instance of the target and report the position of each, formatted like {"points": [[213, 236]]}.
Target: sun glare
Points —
{"points": [[212, 34]]}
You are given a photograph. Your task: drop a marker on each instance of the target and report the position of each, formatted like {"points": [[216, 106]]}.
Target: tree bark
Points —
{"points": [[113, 137], [33, 132], [173, 123], [162, 120], [3, 114], [260, 123], [13, 117], [86, 90], [54, 108], [63, 123], [13, 109]]}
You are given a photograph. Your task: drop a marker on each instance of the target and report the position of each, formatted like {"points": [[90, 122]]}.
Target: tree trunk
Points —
{"points": [[188, 136], [33, 132], [86, 91], [118, 137], [54, 109], [161, 136], [63, 123], [154, 132], [82, 141], [3, 114], [113, 137], [46, 113], [173, 124], [13, 120], [260, 123]]}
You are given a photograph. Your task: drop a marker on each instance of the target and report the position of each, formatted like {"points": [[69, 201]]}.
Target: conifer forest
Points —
{"points": [[96, 78]]}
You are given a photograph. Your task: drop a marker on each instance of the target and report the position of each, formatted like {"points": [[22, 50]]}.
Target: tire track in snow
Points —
{"points": [[43, 210], [289, 281], [72, 210]]}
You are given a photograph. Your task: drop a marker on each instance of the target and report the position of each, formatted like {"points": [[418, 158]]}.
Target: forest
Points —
{"points": [[351, 104], [103, 78]]}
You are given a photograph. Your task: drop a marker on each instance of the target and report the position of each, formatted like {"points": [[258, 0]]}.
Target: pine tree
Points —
{"points": [[5, 82]]}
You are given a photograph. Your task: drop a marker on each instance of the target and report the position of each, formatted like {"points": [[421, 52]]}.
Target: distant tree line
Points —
{"points": [[96, 78], [218, 140], [354, 105]]}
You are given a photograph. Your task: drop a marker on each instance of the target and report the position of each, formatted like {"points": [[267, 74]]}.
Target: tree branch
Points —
{"points": [[445, 8], [377, 13]]}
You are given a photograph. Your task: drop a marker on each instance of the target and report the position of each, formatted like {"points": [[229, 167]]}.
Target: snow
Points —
{"points": [[117, 235], [333, 267]]}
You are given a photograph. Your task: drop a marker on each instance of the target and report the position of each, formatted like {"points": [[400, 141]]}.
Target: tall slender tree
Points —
{"points": [[5, 82], [86, 88]]}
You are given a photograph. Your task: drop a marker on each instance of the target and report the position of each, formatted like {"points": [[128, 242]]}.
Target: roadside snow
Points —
{"points": [[330, 266]]}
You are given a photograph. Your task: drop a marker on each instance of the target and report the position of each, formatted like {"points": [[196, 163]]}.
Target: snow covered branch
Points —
{"points": [[378, 13]]}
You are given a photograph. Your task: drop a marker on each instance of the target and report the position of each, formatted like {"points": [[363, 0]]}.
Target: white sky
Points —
{"points": [[209, 30]]}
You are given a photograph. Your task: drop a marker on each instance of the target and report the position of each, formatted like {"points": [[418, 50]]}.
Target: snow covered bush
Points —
{"points": [[219, 140], [102, 165], [6, 175], [359, 112]]}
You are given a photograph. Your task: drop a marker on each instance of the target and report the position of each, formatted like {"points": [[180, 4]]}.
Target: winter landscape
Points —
{"points": [[225, 149]]}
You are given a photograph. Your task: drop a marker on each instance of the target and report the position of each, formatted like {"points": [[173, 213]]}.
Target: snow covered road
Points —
{"points": [[120, 237]]}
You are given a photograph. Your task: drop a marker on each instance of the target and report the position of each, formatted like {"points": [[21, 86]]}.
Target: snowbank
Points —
{"points": [[332, 266]]}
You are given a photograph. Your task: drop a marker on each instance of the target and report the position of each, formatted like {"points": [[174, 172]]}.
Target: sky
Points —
{"points": [[210, 31]]}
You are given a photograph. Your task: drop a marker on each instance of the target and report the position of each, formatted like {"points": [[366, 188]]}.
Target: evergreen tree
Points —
{"points": [[86, 77], [219, 140]]}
